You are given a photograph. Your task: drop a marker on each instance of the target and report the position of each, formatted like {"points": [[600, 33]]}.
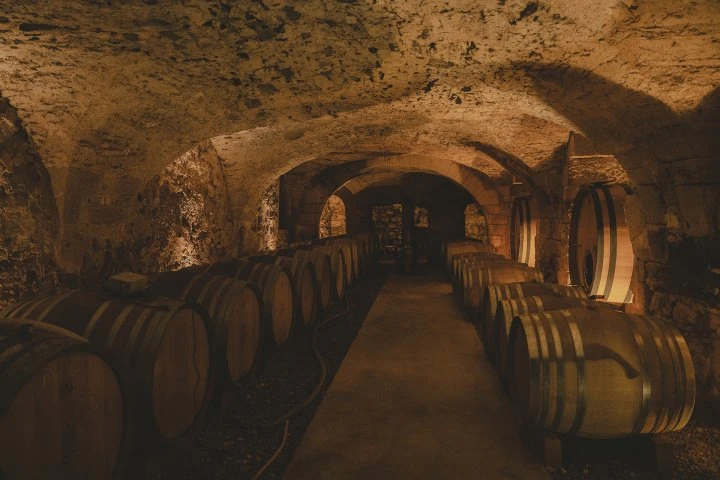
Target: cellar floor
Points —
{"points": [[414, 398]]}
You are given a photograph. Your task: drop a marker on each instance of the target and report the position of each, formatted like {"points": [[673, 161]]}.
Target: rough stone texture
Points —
{"points": [[387, 223], [332, 219], [182, 217], [483, 92], [267, 225], [475, 223], [28, 217]]}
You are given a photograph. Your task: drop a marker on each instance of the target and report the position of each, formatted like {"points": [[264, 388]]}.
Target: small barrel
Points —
{"points": [[276, 289], [303, 278], [163, 345], [466, 246], [64, 407], [495, 293], [479, 276], [337, 261], [235, 325], [459, 262], [499, 327], [599, 373], [322, 268], [467, 276], [349, 250]]}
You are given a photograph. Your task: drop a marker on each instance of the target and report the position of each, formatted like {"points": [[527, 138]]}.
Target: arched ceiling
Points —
{"points": [[111, 92]]}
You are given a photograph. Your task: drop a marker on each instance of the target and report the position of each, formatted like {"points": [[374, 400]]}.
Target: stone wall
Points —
{"points": [[181, 218], [475, 223], [28, 215], [387, 224], [267, 225]]}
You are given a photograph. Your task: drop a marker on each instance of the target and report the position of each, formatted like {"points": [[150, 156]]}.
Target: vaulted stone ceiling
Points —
{"points": [[112, 91]]}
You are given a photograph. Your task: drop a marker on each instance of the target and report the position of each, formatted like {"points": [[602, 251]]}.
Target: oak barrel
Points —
{"points": [[349, 251], [498, 328], [601, 257], [64, 406], [163, 345], [337, 262], [451, 249], [235, 325], [276, 288], [322, 267], [480, 275], [302, 274], [600, 373], [495, 293]]}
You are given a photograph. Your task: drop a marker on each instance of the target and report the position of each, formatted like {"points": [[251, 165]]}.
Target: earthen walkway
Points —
{"points": [[414, 399]]}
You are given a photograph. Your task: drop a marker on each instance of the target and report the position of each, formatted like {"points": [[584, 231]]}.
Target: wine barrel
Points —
{"points": [[64, 406], [601, 255], [495, 293], [337, 260], [235, 325], [523, 229], [322, 267], [468, 246], [302, 274], [479, 276], [460, 261], [600, 373], [465, 269], [276, 289], [498, 328], [349, 252], [163, 345]]}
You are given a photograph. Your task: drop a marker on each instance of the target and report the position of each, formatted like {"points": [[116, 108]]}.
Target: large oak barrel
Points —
{"points": [[322, 267], [601, 255], [523, 229], [481, 275], [498, 328], [365, 249], [305, 290], [163, 345], [495, 293], [276, 288], [64, 407], [600, 373], [235, 325], [338, 263]]}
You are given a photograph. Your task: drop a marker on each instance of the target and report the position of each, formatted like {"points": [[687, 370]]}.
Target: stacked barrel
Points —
{"points": [[573, 365], [94, 378]]}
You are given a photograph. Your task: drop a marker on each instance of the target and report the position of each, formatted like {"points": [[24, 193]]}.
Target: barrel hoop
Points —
{"points": [[186, 291], [612, 220], [550, 362], [99, 312], [599, 261], [545, 361], [154, 333], [217, 294], [539, 374], [658, 426], [533, 357], [680, 390], [518, 289], [560, 362], [133, 338], [646, 381], [580, 362], [53, 304], [539, 303]]}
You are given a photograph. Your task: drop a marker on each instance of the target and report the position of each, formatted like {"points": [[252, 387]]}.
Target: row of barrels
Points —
{"points": [[571, 364], [92, 379]]}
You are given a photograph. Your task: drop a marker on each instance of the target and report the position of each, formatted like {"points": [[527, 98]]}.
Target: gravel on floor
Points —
{"points": [[234, 444]]}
